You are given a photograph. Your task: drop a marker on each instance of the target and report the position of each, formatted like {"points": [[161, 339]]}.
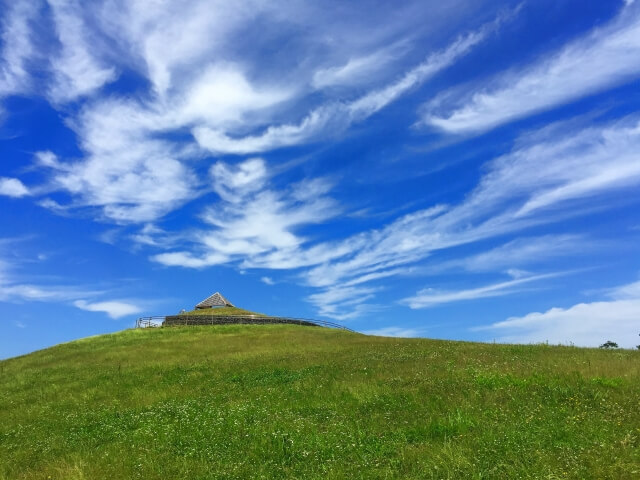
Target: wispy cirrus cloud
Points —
{"points": [[66, 294], [431, 297], [605, 58], [170, 43], [17, 46], [344, 302], [131, 173], [198, 75], [629, 291], [357, 70], [516, 253], [45, 293], [556, 168], [15, 289], [251, 221], [194, 84], [338, 115], [76, 72]]}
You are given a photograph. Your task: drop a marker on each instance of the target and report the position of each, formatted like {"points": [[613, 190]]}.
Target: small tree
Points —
{"points": [[609, 344]]}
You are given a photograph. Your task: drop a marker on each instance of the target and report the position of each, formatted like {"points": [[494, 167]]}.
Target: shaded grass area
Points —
{"points": [[223, 311], [283, 401]]}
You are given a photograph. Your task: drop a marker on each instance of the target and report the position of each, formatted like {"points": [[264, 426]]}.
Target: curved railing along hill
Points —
{"points": [[175, 320]]}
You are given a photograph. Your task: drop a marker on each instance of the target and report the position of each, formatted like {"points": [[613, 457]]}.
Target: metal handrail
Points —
{"points": [[156, 321], [147, 322]]}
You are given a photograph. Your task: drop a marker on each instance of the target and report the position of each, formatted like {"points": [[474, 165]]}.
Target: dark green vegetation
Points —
{"points": [[223, 311], [282, 401], [609, 344]]}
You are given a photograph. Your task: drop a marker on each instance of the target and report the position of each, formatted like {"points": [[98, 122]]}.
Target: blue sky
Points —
{"points": [[462, 170]]}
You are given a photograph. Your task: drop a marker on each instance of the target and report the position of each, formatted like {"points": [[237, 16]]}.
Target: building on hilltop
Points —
{"points": [[213, 301], [212, 311]]}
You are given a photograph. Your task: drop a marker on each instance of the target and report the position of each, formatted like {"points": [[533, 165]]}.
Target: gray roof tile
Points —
{"points": [[215, 300]]}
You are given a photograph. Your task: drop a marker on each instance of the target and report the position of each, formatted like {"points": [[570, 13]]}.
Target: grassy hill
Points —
{"points": [[282, 401]]}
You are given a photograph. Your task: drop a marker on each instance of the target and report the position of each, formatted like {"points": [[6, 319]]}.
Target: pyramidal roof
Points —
{"points": [[215, 300]]}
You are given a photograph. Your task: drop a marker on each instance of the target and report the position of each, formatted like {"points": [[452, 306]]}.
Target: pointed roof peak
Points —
{"points": [[215, 300]]}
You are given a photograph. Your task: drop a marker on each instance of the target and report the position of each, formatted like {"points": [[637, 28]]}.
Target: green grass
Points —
{"points": [[283, 401], [223, 311]]}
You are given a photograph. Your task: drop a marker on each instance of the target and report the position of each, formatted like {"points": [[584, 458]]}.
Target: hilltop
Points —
{"points": [[285, 401], [223, 312]]}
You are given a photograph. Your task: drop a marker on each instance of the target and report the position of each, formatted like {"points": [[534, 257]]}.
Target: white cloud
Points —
{"points": [[356, 71], [516, 192], [199, 74], [233, 183], [189, 260], [430, 297], [15, 291], [11, 291], [109, 236], [149, 235], [597, 159], [204, 77], [250, 220], [132, 177], [523, 251], [47, 159], [542, 180], [17, 46], [12, 187], [217, 141], [517, 273], [605, 58], [344, 303], [222, 95], [402, 242], [76, 71], [339, 115], [584, 324], [170, 42], [267, 280], [130, 172], [630, 291], [115, 309], [378, 99], [518, 252]]}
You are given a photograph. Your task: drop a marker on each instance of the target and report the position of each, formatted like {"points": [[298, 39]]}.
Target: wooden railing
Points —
{"points": [[173, 320]]}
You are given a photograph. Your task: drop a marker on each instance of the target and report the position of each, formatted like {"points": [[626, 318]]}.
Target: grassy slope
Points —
{"points": [[279, 401], [223, 311]]}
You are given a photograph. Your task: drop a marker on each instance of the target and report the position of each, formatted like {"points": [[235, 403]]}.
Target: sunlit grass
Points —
{"points": [[283, 401], [222, 311]]}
